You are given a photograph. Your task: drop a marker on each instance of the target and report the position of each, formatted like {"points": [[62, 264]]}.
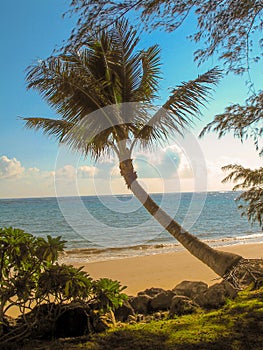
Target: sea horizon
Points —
{"points": [[107, 227], [118, 194]]}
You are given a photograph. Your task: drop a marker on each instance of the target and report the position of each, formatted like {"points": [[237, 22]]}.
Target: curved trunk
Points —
{"points": [[220, 262]]}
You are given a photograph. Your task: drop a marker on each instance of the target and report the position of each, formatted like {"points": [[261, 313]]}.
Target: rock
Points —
{"points": [[157, 316], [182, 305], [141, 304], [73, 322], [151, 292], [162, 300], [190, 289], [124, 311], [216, 295]]}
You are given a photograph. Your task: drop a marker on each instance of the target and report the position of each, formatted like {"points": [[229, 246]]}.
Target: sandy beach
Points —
{"points": [[163, 270], [160, 270]]}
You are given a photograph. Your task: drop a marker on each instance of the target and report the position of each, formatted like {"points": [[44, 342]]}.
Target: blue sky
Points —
{"points": [[30, 30]]}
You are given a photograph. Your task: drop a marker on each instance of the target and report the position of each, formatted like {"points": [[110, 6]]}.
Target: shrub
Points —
{"points": [[30, 276]]}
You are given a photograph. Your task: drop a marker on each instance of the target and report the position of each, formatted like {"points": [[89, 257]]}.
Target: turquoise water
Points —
{"points": [[109, 227]]}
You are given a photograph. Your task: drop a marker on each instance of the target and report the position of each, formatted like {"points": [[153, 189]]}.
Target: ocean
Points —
{"points": [[111, 227]]}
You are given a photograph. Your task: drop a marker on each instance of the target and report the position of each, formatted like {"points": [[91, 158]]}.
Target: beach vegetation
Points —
{"points": [[34, 283], [109, 294], [23, 258], [103, 90]]}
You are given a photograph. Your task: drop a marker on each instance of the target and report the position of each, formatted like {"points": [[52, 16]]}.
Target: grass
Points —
{"points": [[236, 326]]}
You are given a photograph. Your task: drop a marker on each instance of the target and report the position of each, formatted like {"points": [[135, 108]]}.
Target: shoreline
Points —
{"points": [[164, 270], [97, 254]]}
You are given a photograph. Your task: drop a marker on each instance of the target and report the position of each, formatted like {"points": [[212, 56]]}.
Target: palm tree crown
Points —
{"points": [[108, 71]]}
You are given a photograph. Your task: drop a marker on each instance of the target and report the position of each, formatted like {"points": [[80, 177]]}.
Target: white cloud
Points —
{"points": [[86, 171], [171, 169], [10, 168], [166, 163], [33, 171], [68, 172], [103, 170]]}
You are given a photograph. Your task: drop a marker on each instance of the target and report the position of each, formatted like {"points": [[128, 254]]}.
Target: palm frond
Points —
{"points": [[150, 74], [51, 127], [66, 86], [178, 111], [127, 63]]}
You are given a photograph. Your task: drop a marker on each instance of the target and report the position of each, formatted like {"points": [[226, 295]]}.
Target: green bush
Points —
{"points": [[109, 294], [30, 276]]}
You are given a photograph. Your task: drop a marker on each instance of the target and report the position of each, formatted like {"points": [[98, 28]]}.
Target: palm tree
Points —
{"points": [[108, 71]]}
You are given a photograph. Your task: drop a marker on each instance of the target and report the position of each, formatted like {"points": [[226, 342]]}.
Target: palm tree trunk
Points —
{"points": [[219, 262]]}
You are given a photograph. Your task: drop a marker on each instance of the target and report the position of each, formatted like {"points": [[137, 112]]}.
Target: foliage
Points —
{"points": [[109, 294], [223, 27], [109, 70], [23, 258], [235, 327], [244, 121], [30, 276], [253, 196], [64, 283]]}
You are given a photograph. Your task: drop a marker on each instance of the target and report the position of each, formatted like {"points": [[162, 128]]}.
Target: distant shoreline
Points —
{"points": [[117, 194]]}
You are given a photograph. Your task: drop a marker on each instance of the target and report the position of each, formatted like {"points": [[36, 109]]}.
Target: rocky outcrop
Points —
{"points": [[162, 300], [190, 289], [75, 319], [182, 305], [185, 298], [141, 303], [152, 299], [151, 292], [216, 295]]}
